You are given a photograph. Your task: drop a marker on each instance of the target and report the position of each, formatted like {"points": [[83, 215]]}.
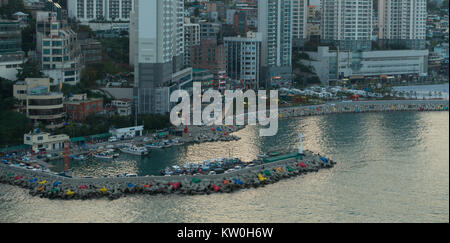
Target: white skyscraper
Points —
{"points": [[157, 47], [402, 22], [347, 23], [275, 25], [299, 21]]}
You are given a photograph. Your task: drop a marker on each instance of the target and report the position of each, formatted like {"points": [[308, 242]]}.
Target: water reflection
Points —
{"points": [[395, 168]]}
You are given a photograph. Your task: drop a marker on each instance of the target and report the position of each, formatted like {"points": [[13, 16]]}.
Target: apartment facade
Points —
{"points": [[106, 10], [402, 22], [244, 59], [158, 52], [59, 50], [347, 24], [209, 55], [299, 21], [275, 25], [191, 38]]}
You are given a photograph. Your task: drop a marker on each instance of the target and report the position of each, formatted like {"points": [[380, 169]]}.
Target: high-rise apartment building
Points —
{"points": [[299, 21], [158, 53], [347, 24], [244, 59], [191, 38], [275, 25], [402, 22], [87, 10]]}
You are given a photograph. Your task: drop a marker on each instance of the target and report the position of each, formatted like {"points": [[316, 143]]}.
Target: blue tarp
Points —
{"points": [[324, 160], [57, 183], [131, 185], [238, 181]]}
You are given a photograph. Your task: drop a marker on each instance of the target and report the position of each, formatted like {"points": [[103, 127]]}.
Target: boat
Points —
{"points": [[154, 146], [176, 142], [79, 157], [263, 156], [103, 155], [134, 150]]}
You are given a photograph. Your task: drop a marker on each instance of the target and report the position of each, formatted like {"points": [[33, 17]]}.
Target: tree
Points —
{"points": [[12, 127], [11, 8], [28, 35], [29, 70]]}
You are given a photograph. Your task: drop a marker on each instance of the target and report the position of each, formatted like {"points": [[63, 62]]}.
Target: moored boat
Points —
{"points": [[134, 150]]}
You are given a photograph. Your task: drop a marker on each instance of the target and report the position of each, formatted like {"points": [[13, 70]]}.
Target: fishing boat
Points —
{"points": [[103, 155], [263, 156], [167, 144], [176, 142], [154, 146], [134, 150], [79, 157]]}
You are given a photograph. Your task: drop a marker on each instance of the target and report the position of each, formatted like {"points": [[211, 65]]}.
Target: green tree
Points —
{"points": [[29, 70], [12, 127]]}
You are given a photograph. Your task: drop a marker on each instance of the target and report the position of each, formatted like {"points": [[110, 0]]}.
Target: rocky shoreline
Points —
{"points": [[56, 187]]}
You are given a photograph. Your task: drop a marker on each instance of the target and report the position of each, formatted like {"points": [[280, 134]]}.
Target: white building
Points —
{"points": [[59, 50], [275, 25], [347, 24], [127, 133], [244, 59], [45, 141], [10, 64], [403, 22], [333, 65], [123, 106], [158, 50], [109, 10], [299, 21]]}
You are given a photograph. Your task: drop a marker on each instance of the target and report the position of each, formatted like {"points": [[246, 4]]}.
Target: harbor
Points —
{"points": [[58, 187], [194, 178]]}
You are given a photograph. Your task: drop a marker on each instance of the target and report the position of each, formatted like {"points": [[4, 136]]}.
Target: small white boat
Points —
{"points": [[79, 157], [154, 146], [103, 156], [134, 150], [263, 156]]}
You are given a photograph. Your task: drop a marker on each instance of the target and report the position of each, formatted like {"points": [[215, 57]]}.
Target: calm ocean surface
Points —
{"points": [[392, 167]]}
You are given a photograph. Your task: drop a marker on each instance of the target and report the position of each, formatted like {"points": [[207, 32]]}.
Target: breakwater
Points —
{"points": [[56, 187], [365, 106]]}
